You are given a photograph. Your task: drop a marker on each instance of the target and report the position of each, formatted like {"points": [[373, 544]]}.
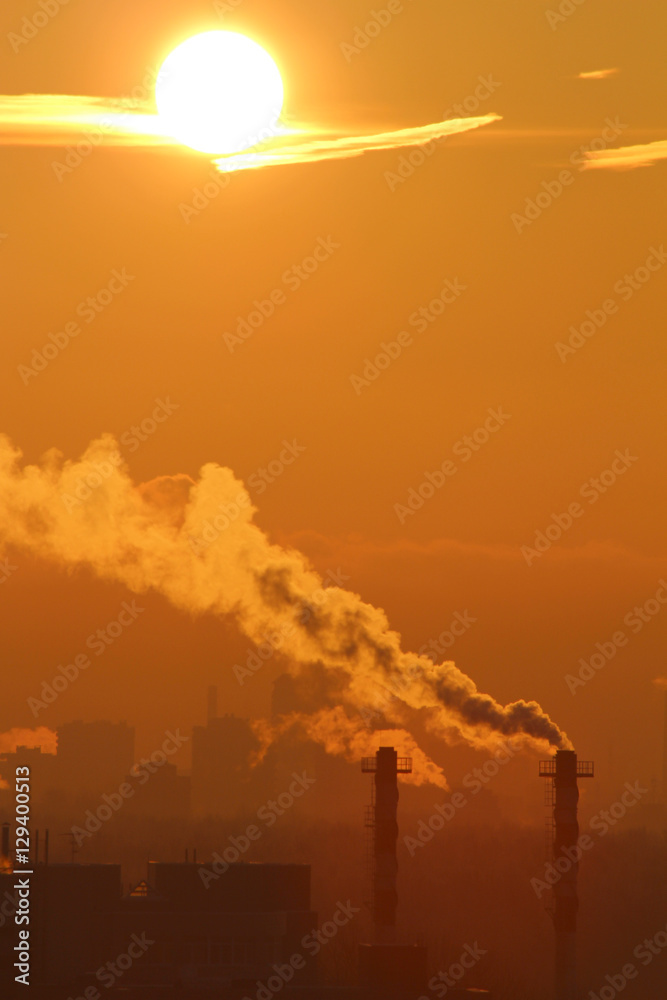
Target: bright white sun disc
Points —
{"points": [[219, 92]]}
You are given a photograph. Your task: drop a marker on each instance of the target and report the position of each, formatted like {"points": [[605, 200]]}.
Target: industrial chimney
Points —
{"points": [[386, 967], [664, 755], [386, 766], [563, 770]]}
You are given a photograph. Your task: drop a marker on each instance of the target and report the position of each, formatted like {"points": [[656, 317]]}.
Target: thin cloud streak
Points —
{"points": [[598, 74], [53, 119], [60, 119], [626, 157], [305, 149]]}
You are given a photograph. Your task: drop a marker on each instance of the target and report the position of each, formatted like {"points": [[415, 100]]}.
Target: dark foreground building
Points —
{"points": [[172, 931], [241, 932]]}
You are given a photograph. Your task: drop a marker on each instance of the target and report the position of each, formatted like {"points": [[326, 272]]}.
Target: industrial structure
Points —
{"points": [[563, 772], [221, 751], [223, 933], [385, 966], [664, 754]]}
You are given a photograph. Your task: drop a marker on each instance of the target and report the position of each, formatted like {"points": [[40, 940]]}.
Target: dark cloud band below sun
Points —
{"points": [[196, 544]]}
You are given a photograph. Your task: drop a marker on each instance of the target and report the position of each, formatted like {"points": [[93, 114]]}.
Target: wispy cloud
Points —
{"points": [[626, 157], [598, 74], [303, 146], [59, 119], [55, 119]]}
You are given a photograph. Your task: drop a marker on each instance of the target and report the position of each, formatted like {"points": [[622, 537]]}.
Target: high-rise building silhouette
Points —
{"points": [[221, 771]]}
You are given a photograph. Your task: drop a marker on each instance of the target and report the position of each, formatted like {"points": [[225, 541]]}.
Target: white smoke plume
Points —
{"points": [[345, 735], [196, 544]]}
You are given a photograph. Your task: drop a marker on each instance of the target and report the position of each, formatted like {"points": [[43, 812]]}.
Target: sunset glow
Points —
{"points": [[333, 565], [219, 92]]}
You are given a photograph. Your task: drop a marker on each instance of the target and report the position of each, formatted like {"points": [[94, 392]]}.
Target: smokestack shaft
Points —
{"points": [[5, 840], [386, 835], [565, 889]]}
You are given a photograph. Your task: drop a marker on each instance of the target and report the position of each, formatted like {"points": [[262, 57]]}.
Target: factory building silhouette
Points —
{"points": [[226, 928], [220, 753], [241, 931], [93, 760]]}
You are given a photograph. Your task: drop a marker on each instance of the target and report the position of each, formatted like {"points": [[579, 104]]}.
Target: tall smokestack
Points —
{"points": [[564, 770], [664, 755], [5, 840], [386, 766], [212, 703]]}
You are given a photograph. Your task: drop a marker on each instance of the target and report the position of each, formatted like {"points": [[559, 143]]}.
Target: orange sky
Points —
{"points": [[365, 448]]}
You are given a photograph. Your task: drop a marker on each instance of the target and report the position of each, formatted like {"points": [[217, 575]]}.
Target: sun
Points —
{"points": [[219, 92]]}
